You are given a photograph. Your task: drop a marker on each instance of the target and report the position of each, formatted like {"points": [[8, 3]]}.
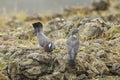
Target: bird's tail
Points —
{"points": [[71, 62], [38, 27]]}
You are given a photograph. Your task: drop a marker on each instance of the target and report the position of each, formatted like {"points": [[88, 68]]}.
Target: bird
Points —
{"points": [[72, 45], [43, 40]]}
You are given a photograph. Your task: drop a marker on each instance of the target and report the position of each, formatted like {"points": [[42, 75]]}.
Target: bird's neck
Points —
{"points": [[40, 34], [74, 35]]}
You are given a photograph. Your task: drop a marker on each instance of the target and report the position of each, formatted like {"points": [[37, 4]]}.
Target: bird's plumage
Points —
{"points": [[43, 40], [72, 48]]}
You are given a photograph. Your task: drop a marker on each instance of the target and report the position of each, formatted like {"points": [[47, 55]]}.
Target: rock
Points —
{"points": [[100, 41], [34, 56], [3, 77], [60, 63], [23, 36], [90, 73], [13, 70], [100, 4], [82, 77], [59, 34], [54, 76], [114, 68], [42, 59], [101, 54], [91, 30], [34, 70], [69, 76]]}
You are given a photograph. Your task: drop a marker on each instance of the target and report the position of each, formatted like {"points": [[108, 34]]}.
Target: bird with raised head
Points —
{"points": [[43, 40], [72, 45]]}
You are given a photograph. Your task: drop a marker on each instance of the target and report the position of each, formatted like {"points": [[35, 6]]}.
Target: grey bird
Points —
{"points": [[72, 45], [43, 40]]}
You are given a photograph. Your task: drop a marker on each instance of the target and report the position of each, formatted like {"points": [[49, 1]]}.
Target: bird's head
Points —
{"points": [[38, 26], [75, 31]]}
